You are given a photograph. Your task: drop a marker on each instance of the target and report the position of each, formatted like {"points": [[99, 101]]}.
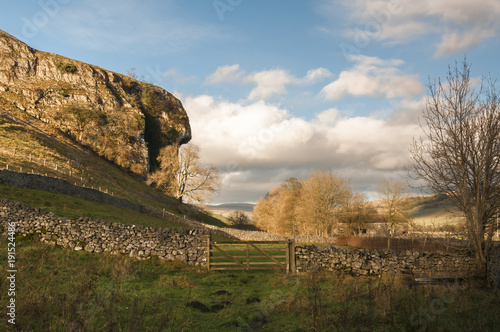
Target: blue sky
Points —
{"points": [[279, 88]]}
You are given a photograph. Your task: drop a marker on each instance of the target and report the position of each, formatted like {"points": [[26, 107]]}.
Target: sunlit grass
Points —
{"points": [[72, 207]]}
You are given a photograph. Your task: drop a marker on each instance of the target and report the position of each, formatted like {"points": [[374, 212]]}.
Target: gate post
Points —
{"points": [[290, 256], [208, 251]]}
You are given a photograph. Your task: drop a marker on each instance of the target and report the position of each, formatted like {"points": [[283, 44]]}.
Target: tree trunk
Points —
{"points": [[179, 204]]}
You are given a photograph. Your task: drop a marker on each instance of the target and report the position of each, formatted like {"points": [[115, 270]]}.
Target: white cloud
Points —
{"points": [[461, 24], [315, 75], [267, 82], [454, 42], [229, 73], [258, 145], [374, 77]]}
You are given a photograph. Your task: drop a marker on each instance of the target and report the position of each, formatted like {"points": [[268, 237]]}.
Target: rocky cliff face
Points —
{"points": [[120, 118]]}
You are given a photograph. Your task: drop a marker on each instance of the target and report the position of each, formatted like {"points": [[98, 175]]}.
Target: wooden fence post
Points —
{"points": [[208, 252], [248, 257], [291, 255]]}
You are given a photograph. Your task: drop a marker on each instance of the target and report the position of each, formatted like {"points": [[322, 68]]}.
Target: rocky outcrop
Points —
{"points": [[120, 118]]}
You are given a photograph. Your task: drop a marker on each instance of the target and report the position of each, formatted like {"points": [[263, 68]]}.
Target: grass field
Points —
{"points": [[61, 290]]}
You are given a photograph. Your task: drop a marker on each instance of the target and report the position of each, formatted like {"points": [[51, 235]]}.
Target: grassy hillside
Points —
{"points": [[72, 207], [30, 146], [40, 150], [428, 210], [433, 210]]}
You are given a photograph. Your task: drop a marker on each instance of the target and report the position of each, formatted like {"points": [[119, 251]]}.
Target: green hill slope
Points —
{"points": [[30, 146]]}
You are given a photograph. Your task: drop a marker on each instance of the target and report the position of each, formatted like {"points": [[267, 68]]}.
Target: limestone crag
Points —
{"points": [[122, 119]]}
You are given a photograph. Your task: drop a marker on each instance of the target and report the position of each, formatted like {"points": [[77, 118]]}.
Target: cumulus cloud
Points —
{"points": [[267, 82], [258, 145], [461, 24], [315, 75], [229, 73], [374, 77]]}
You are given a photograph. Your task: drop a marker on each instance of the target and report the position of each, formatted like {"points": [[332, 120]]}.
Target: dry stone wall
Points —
{"points": [[97, 236], [367, 262]]}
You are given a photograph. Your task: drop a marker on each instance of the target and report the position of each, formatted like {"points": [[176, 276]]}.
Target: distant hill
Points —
{"points": [[433, 210], [425, 210], [246, 207], [429, 210]]}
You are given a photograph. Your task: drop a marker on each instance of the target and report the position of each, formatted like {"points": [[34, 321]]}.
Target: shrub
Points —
{"points": [[66, 67], [239, 218]]}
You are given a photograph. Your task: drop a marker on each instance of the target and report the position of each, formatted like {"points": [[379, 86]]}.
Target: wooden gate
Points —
{"points": [[252, 255]]}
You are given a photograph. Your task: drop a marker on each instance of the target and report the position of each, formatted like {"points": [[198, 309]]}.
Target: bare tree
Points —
{"points": [[459, 152], [304, 206], [322, 195], [393, 195], [132, 74], [239, 219], [356, 213], [181, 173], [164, 177], [81, 117], [276, 212]]}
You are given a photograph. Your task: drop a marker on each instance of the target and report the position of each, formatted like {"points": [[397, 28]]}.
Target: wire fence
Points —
{"points": [[73, 172], [69, 170]]}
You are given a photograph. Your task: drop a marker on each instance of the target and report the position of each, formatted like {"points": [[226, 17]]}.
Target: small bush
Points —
{"points": [[66, 67], [239, 218]]}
